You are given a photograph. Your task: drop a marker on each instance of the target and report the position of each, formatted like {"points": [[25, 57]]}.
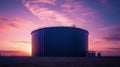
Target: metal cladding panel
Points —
{"points": [[60, 41]]}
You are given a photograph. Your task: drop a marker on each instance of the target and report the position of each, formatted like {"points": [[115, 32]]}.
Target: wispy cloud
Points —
{"points": [[113, 37], [45, 14], [15, 34], [52, 2], [66, 13], [111, 32], [6, 24], [104, 2], [24, 42], [118, 49], [99, 17], [16, 24], [2, 18]]}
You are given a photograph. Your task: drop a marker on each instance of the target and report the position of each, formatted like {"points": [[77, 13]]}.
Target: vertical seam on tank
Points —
{"points": [[43, 44]]}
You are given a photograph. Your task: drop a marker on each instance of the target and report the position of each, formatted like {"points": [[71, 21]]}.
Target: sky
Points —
{"points": [[18, 18]]}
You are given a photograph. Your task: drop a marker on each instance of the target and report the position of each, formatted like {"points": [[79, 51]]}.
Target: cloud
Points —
{"points": [[113, 37], [15, 34], [10, 28], [104, 2], [118, 49], [67, 13], [6, 23], [64, 13], [19, 42], [79, 12], [47, 15], [2, 18], [16, 23], [52, 2], [47, 1], [112, 33]]}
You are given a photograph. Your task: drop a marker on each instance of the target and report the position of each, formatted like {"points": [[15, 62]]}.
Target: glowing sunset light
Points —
{"points": [[18, 18]]}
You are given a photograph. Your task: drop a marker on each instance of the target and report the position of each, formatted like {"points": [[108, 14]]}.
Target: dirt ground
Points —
{"points": [[59, 61]]}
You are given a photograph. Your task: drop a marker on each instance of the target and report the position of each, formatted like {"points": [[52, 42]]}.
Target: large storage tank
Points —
{"points": [[60, 41]]}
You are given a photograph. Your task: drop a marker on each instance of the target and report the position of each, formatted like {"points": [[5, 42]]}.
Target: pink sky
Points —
{"points": [[19, 18]]}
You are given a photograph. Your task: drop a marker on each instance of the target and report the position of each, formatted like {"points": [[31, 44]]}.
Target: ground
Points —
{"points": [[59, 61]]}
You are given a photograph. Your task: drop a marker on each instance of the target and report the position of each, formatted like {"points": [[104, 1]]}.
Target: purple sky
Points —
{"points": [[100, 17]]}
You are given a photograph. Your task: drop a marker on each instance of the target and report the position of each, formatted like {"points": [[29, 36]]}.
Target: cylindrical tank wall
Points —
{"points": [[59, 41]]}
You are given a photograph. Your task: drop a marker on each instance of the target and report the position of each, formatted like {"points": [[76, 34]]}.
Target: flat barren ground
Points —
{"points": [[59, 61]]}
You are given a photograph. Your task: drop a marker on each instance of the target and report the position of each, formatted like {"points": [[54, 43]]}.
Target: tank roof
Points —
{"points": [[59, 27]]}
